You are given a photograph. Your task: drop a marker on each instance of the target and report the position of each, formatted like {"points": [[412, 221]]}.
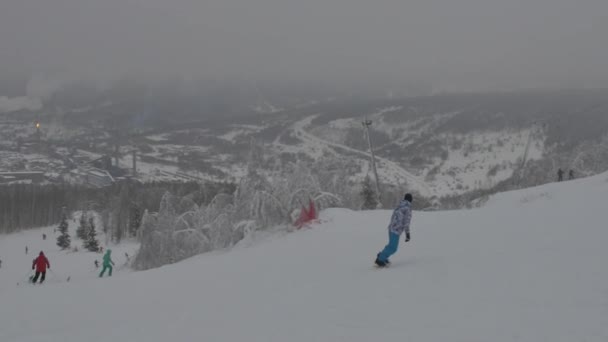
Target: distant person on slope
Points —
{"points": [[107, 263], [571, 175], [41, 263], [560, 175], [400, 222]]}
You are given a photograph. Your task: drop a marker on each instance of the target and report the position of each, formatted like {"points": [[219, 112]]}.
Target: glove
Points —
{"points": [[407, 237]]}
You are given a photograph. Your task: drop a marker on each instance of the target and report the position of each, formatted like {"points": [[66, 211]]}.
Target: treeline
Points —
{"points": [[29, 205], [121, 206]]}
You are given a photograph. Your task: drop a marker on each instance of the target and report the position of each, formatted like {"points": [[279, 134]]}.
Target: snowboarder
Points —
{"points": [[400, 222], [43, 236], [41, 263], [107, 263], [560, 175], [571, 174], [96, 263]]}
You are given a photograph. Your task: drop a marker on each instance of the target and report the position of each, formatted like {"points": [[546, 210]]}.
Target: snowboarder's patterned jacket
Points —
{"points": [[400, 221]]}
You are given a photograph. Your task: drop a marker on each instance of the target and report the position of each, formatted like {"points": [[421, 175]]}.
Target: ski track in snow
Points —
{"points": [[529, 266], [382, 163]]}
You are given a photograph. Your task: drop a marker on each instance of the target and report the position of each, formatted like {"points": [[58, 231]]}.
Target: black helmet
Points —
{"points": [[408, 197]]}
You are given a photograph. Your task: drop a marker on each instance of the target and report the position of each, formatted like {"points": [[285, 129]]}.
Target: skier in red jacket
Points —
{"points": [[40, 264]]}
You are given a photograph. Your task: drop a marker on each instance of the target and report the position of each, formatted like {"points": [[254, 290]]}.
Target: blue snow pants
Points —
{"points": [[391, 248]]}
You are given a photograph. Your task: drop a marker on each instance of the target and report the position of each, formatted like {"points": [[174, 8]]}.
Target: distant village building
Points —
{"points": [[22, 177], [90, 176], [104, 163]]}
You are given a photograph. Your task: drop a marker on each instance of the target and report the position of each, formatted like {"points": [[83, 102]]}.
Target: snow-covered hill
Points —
{"points": [[437, 146], [78, 265], [529, 266], [435, 163]]}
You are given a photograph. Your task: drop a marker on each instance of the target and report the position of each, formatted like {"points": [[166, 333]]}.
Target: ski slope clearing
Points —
{"points": [[388, 170], [529, 266], [77, 266]]}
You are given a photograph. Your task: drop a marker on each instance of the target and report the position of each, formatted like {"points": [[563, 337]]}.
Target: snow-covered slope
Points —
{"points": [[530, 266], [434, 163], [76, 265]]}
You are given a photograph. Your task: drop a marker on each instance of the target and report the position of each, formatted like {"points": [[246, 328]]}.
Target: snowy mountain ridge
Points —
{"points": [[443, 145]]}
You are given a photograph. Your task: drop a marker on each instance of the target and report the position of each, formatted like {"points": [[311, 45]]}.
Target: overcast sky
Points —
{"points": [[453, 44]]}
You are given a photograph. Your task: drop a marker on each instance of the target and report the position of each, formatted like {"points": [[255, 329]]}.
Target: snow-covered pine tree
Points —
{"points": [[63, 240], [148, 257], [91, 242], [134, 220], [370, 200], [82, 230]]}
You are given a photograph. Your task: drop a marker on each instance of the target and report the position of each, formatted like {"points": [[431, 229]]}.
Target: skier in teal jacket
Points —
{"points": [[107, 263]]}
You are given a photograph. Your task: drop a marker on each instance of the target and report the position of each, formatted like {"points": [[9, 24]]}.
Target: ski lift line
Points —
{"points": [[366, 124], [418, 184], [536, 125]]}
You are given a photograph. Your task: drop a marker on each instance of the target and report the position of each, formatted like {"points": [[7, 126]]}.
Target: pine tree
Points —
{"points": [[81, 231], [91, 242], [370, 200], [63, 240], [134, 220]]}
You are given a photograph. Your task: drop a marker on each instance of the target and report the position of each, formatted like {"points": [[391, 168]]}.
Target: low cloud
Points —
{"points": [[15, 104], [456, 45]]}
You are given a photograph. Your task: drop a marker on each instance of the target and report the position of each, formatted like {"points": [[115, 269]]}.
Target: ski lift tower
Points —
{"points": [[366, 123], [537, 126]]}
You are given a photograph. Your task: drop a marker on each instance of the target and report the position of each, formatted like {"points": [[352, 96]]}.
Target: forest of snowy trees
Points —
{"points": [[120, 206], [181, 228], [25, 206]]}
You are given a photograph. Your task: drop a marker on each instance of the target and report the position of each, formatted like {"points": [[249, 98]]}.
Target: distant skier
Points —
{"points": [[41, 263], [107, 263], [96, 263], [26, 250], [571, 174], [43, 236], [400, 222], [560, 175]]}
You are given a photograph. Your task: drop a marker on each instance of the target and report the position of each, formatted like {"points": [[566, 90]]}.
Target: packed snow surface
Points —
{"points": [[529, 266], [76, 265]]}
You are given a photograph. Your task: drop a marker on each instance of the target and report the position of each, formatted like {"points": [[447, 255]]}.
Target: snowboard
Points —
{"points": [[388, 264]]}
